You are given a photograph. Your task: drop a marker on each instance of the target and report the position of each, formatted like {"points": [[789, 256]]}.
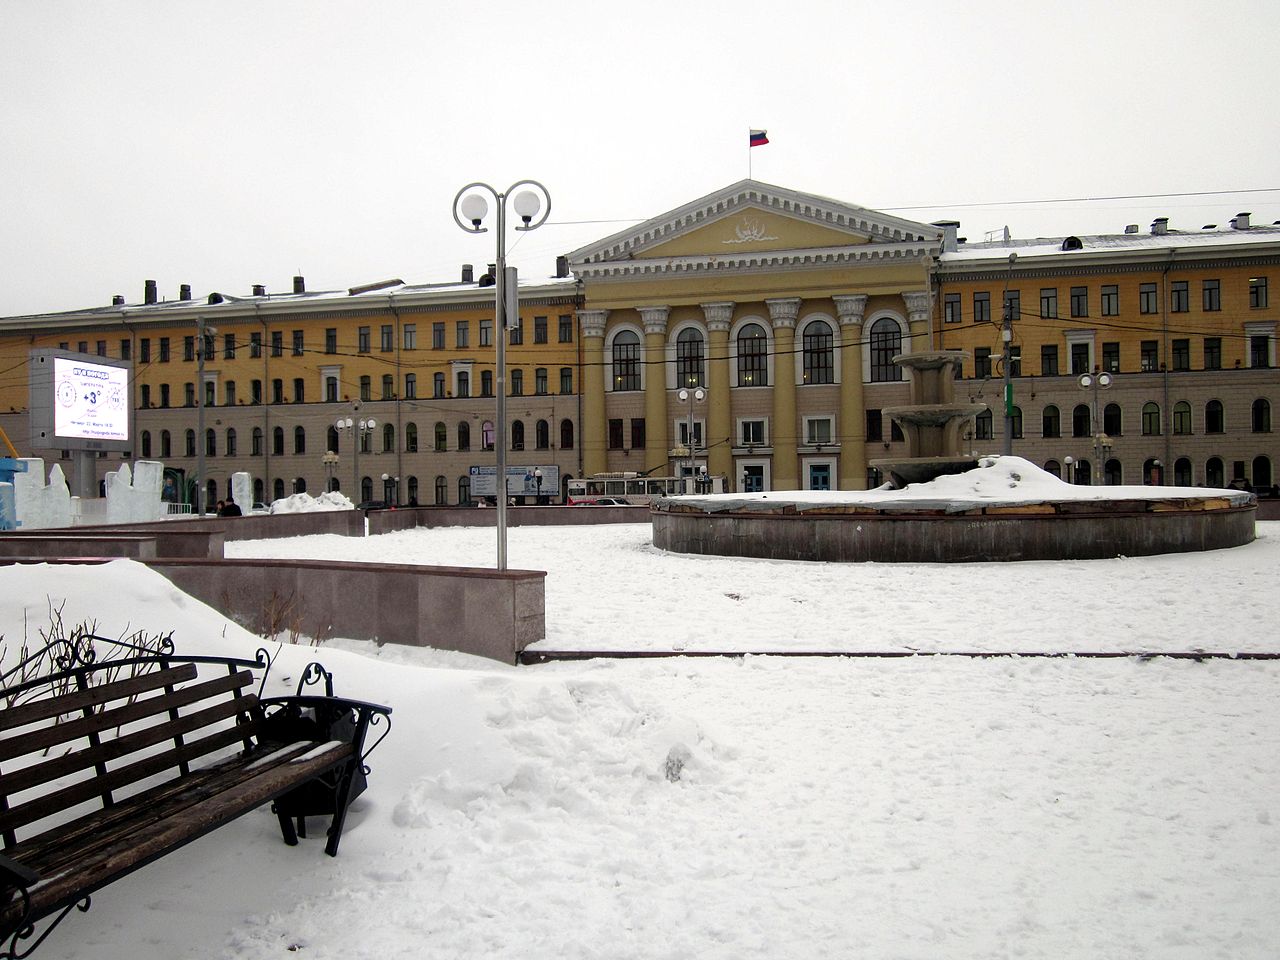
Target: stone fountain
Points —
{"points": [[933, 423]]}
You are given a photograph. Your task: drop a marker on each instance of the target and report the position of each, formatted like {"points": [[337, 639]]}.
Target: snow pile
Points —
{"points": [[305, 503]]}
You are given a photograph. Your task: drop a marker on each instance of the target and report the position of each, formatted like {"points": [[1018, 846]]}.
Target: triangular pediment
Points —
{"points": [[749, 219]]}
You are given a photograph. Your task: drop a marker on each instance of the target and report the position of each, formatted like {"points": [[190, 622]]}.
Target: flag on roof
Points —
{"points": [[759, 138]]}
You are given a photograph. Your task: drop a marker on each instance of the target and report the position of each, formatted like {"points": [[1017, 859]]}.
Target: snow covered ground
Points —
{"points": [[758, 807]]}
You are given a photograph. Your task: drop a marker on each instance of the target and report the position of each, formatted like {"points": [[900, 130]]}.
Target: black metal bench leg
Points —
{"points": [[286, 828], [342, 798]]}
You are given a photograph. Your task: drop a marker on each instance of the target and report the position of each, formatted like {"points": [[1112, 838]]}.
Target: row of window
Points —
{"points": [[1109, 300], [1113, 420], [279, 490], [1082, 360], [1260, 477]]}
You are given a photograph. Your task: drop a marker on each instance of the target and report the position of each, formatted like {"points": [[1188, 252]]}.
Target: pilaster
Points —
{"points": [[719, 438], [656, 446], [594, 438], [785, 432], [852, 429]]}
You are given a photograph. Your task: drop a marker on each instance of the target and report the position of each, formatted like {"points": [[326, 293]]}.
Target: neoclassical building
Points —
{"points": [[786, 308]]}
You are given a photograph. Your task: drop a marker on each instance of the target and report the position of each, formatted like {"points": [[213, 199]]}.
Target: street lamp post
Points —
{"points": [[469, 210], [1098, 380], [330, 460], [537, 482], [690, 397], [201, 333], [357, 428], [391, 489], [1068, 461]]}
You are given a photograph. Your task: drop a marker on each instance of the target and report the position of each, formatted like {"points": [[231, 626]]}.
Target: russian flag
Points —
{"points": [[759, 138]]}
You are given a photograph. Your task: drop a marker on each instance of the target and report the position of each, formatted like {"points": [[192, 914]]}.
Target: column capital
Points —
{"points": [[719, 315], [917, 305], [783, 311], [850, 308], [655, 319], [592, 322]]}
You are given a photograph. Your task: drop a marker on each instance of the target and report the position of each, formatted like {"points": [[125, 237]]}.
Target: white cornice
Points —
{"points": [[816, 258]]}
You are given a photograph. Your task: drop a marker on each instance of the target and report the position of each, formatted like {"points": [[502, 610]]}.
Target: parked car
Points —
{"points": [[609, 502], [373, 505]]}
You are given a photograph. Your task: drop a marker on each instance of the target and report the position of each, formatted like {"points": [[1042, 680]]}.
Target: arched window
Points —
{"points": [[146, 443], [255, 442], [190, 437], [441, 441], [366, 489], [819, 354], [1214, 419], [1081, 421], [300, 485], [464, 490], [464, 435], [1214, 474], [299, 440], [886, 343], [1152, 472], [517, 434], [626, 361], [410, 386], [258, 489], [690, 371], [566, 434], [231, 441], [1261, 416], [1051, 422], [411, 488], [210, 444], [388, 438], [277, 489], [442, 491], [1261, 473], [410, 437], [1151, 419], [1083, 473], [166, 445], [1181, 425], [983, 426], [1181, 467], [542, 435], [211, 495], [753, 356], [1112, 420], [1111, 473], [1053, 467], [331, 439], [1015, 423], [486, 435], [277, 446]]}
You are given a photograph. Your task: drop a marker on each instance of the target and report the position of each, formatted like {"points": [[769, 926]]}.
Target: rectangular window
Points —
{"points": [[1259, 354], [1111, 300], [277, 343], [1079, 301], [82, 346], [102, 348], [951, 308], [366, 389], [298, 349], [566, 328], [188, 349], [1049, 360], [1211, 295], [386, 338], [228, 346], [388, 386], [1079, 358], [126, 349], [752, 432], [1257, 292], [982, 307], [146, 396], [255, 391], [982, 362], [464, 384], [229, 391], [1111, 356], [817, 430], [1179, 296], [1049, 302], [1213, 353], [164, 349], [517, 332], [298, 390], [331, 389], [539, 329], [1012, 305], [277, 391], [517, 383], [615, 434], [566, 379], [1150, 355], [875, 426], [540, 381], [637, 433], [437, 386], [255, 345], [486, 333], [331, 340], [486, 383], [437, 336], [1148, 302], [462, 334], [164, 395], [409, 336], [144, 350], [1180, 353]]}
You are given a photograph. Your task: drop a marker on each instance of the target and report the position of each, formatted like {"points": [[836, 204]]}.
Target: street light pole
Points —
{"points": [[1098, 380], [201, 332], [357, 430], [1006, 336], [469, 211], [689, 397]]}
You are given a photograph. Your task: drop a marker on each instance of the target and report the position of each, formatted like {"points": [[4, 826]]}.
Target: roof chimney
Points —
{"points": [[118, 300], [1159, 226], [215, 298], [468, 273], [1241, 222], [562, 267], [491, 277], [149, 292], [184, 292], [950, 230], [299, 285], [259, 290], [1131, 228]]}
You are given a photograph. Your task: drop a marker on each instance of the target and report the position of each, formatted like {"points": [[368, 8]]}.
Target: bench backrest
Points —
{"points": [[102, 738]]}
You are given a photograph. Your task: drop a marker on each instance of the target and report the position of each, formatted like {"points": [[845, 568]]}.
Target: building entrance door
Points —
{"points": [[819, 476]]}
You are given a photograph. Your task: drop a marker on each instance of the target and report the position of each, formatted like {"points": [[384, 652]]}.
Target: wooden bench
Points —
{"points": [[106, 766]]}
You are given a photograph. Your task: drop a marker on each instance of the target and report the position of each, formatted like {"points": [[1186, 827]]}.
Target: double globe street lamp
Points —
{"points": [[470, 207], [360, 430]]}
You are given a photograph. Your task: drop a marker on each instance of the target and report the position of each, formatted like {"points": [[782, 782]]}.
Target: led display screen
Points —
{"points": [[90, 400]]}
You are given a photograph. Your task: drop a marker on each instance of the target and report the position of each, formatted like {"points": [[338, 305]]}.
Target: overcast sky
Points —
{"points": [[233, 143]]}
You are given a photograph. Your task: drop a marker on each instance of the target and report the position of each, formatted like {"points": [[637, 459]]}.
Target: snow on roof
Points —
{"points": [[1109, 244]]}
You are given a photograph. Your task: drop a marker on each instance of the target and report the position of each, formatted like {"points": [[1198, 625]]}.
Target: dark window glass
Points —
{"points": [[819, 354], [626, 361]]}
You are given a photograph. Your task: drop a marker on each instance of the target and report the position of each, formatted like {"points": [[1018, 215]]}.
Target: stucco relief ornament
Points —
{"points": [[750, 230]]}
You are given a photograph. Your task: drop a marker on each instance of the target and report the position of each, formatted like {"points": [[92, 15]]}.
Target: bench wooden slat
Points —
{"points": [[24, 713], [113, 749], [154, 828], [51, 736], [67, 797]]}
